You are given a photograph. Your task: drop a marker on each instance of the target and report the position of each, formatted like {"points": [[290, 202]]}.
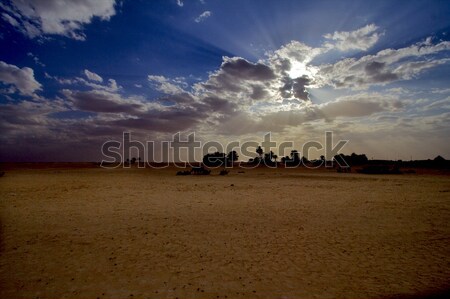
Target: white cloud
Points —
{"points": [[443, 104], [61, 17], [111, 86], [166, 85], [22, 78], [180, 3], [296, 51], [93, 76], [10, 20], [203, 16], [440, 90], [385, 67], [36, 59], [361, 39]]}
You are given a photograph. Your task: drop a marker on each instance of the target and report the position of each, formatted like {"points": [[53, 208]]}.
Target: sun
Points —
{"points": [[299, 69]]}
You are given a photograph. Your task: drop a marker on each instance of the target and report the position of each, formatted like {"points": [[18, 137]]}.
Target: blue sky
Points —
{"points": [[75, 75]]}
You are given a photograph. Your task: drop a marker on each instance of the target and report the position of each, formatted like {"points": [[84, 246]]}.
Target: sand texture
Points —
{"points": [[284, 233]]}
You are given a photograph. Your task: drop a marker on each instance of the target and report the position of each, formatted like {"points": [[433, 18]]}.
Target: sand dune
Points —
{"points": [[283, 233]]}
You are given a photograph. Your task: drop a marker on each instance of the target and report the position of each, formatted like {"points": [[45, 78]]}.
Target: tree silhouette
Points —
{"points": [[214, 160], [295, 156], [232, 156], [293, 160], [259, 151], [285, 159], [353, 159]]}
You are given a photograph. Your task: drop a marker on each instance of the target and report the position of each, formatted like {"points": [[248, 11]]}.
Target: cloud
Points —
{"points": [[35, 59], [384, 67], [136, 113], [111, 85], [360, 105], [21, 78], [64, 17], [240, 81], [240, 68], [11, 20], [180, 3], [298, 114], [93, 76], [203, 16], [235, 71], [103, 101], [440, 90], [361, 39], [443, 104], [295, 88], [165, 85], [293, 51]]}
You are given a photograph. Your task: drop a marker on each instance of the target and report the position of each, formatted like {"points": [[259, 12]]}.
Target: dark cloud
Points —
{"points": [[377, 73], [296, 87], [243, 69], [216, 104], [98, 101], [281, 65], [177, 99], [170, 113], [258, 92], [239, 80]]}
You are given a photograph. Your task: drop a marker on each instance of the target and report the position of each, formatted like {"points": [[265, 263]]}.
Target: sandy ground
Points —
{"points": [[142, 233]]}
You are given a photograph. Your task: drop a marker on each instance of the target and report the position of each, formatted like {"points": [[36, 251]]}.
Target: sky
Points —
{"points": [[77, 73]]}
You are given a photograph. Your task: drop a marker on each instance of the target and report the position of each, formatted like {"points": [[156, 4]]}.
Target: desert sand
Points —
{"points": [[283, 233]]}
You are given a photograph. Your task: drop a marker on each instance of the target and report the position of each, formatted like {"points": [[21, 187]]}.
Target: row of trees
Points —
{"points": [[218, 159], [271, 159], [221, 159]]}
